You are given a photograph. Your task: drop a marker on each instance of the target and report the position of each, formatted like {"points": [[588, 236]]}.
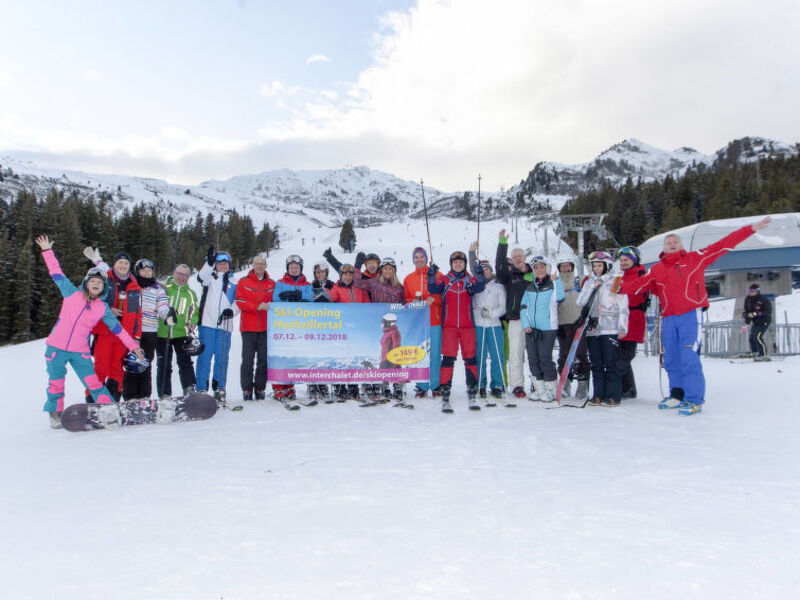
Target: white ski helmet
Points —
{"points": [[322, 266], [536, 260], [389, 319]]}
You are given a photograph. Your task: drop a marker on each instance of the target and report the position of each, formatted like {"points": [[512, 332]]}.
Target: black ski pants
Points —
{"points": [[580, 365], [604, 354], [164, 350], [140, 385], [627, 352], [254, 348], [539, 345], [757, 342]]}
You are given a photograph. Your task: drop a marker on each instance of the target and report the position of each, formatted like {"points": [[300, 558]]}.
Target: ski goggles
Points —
{"points": [[96, 272], [629, 251], [458, 256], [388, 262], [600, 256], [145, 264], [222, 257], [537, 260], [347, 269], [294, 258]]}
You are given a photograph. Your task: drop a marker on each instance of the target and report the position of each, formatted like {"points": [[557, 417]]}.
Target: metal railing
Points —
{"points": [[731, 338]]}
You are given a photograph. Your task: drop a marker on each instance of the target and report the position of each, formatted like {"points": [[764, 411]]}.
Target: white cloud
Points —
{"points": [[460, 87], [317, 58]]}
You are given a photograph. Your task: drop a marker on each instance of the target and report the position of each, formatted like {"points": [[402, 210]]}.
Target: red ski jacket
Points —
{"points": [[250, 293], [389, 341], [636, 307], [348, 293], [456, 290], [128, 298], [678, 279]]}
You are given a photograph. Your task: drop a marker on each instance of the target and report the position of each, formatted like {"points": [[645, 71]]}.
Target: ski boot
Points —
{"points": [[419, 392], [629, 394], [582, 391], [219, 396], [247, 395], [674, 401], [482, 393], [55, 419], [519, 392], [472, 399], [444, 394], [689, 408], [549, 391], [188, 390], [261, 395], [537, 392], [494, 395]]}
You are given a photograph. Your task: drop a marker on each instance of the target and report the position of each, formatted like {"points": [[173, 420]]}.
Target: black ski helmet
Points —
{"points": [[372, 256], [193, 346], [134, 364]]}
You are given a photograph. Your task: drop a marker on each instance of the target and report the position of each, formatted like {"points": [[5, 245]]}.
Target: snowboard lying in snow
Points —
{"points": [[87, 417]]}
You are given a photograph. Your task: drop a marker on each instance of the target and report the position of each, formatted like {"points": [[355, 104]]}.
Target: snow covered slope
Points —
{"points": [[342, 502]]}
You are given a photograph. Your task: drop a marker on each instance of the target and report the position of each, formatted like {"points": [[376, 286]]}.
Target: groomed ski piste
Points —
{"points": [[338, 501]]}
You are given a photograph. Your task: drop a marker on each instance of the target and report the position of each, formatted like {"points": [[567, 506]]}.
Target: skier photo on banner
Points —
{"points": [[68, 343]]}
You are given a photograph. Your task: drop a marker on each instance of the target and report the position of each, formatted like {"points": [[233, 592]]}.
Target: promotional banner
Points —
{"points": [[348, 343]]}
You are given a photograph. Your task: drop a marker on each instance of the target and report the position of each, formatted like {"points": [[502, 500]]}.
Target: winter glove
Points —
{"points": [[477, 269], [360, 257], [486, 312], [172, 318], [328, 253], [291, 295], [432, 270], [210, 256], [226, 314], [593, 322], [93, 254]]}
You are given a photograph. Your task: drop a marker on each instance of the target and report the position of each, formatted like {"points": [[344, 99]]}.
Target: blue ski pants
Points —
{"points": [[489, 342], [435, 358], [57, 361], [217, 346], [682, 336]]}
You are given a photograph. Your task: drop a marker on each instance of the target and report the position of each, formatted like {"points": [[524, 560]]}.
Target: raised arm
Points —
{"points": [[65, 286]]}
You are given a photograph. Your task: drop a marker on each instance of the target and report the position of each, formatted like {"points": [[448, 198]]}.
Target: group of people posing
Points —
{"points": [[494, 314]]}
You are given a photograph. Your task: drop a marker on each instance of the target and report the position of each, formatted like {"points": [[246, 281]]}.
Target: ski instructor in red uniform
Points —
{"points": [[678, 279]]}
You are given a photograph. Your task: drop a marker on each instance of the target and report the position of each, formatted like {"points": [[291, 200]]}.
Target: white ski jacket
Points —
{"points": [[492, 298], [611, 309]]}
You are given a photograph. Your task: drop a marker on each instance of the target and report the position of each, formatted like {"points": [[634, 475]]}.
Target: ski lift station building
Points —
{"points": [[770, 258]]}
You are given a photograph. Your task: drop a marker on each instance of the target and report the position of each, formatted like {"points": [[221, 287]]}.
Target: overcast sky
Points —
{"points": [[189, 91]]}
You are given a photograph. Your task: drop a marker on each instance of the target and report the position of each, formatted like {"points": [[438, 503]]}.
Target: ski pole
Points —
{"points": [[167, 358], [427, 227], [480, 356], [502, 371]]}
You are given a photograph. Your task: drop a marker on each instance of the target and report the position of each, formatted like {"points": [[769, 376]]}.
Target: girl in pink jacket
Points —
{"points": [[68, 341]]}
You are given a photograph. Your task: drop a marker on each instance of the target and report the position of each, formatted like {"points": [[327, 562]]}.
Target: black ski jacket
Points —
{"points": [[512, 279], [757, 310]]}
